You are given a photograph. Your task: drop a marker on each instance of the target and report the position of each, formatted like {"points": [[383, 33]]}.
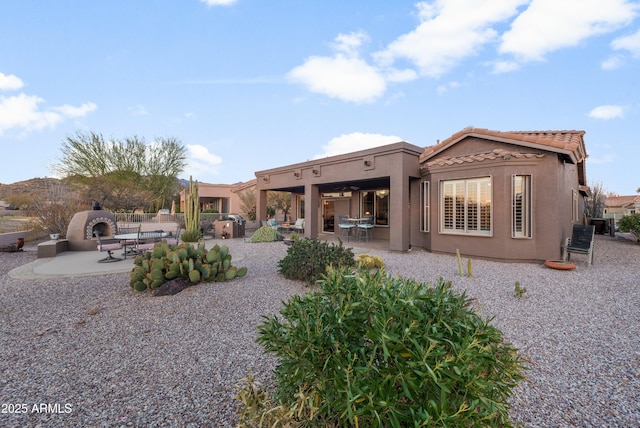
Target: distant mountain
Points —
{"points": [[34, 186]]}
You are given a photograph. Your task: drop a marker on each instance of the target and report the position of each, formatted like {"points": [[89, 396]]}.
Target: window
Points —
{"points": [[465, 206], [300, 206], [376, 203], [521, 206], [424, 203]]}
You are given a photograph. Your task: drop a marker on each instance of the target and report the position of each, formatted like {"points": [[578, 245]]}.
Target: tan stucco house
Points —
{"points": [[617, 207], [223, 198], [509, 196]]}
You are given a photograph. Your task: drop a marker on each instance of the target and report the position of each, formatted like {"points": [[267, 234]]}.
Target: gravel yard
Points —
{"points": [[96, 353]]}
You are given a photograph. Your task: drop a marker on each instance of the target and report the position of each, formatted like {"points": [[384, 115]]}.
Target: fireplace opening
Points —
{"points": [[102, 229]]}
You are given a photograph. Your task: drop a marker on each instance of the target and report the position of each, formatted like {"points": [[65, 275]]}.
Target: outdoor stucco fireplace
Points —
{"points": [[85, 224]]}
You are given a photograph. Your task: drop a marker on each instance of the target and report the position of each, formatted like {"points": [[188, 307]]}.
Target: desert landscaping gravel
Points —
{"points": [[91, 352]]}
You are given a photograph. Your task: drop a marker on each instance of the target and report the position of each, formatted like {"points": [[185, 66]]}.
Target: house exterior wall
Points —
{"points": [[392, 165], [552, 182], [214, 193]]}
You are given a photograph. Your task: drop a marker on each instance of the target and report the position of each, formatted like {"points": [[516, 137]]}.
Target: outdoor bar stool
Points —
{"points": [[345, 227], [365, 228]]}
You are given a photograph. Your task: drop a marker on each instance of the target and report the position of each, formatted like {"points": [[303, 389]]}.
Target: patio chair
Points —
{"points": [[175, 238], [128, 244], [273, 223], [581, 242], [365, 228], [298, 226], [109, 246], [345, 226], [148, 240]]}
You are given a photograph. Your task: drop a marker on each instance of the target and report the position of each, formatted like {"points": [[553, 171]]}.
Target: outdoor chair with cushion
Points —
{"points": [[581, 242], [147, 240], [298, 226], [109, 246], [345, 226], [365, 229]]}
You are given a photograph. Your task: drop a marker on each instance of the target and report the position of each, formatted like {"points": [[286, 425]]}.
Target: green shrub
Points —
{"points": [[630, 223], [374, 351], [365, 261], [266, 234], [308, 259]]}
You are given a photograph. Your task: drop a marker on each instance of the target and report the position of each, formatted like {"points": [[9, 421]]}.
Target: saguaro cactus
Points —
{"points": [[192, 214]]}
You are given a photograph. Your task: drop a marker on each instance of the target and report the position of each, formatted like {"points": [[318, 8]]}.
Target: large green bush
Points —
{"points": [[630, 223], [374, 351], [308, 259], [266, 234]]}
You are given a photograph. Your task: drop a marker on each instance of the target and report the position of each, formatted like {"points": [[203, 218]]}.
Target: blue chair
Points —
{"points": [[345, 226], [365, 228]]}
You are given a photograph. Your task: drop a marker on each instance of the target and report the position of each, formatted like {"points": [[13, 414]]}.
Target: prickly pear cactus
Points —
{"points": [[196, 264]]}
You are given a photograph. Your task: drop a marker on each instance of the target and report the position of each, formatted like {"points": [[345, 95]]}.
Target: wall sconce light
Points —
{"points": [[367, 163], [265, 179], [315, 171], [296, 174]]}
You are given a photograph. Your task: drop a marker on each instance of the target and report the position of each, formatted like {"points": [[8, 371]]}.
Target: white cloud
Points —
{"points": [[349, 44], [201, 162], [345, 75], [630, 43], [449, 31], [441, 89], [398, 76], [347, 143], [505, 66], [218, 2], [139, 110], [23, 112], [10, 82], [607, 158], [612, 63], [71, 111], [549, 25], [606, 112], [342, 77]]}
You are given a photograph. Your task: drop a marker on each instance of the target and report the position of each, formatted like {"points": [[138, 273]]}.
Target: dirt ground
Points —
{"points": [[12, 221]]}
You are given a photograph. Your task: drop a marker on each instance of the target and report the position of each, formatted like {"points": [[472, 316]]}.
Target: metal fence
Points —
{"points": [[163, 218]]}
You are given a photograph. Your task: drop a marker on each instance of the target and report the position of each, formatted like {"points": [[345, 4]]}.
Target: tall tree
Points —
{"points": [[280, 201], [594, 207], [123, 174], [248, 203]]}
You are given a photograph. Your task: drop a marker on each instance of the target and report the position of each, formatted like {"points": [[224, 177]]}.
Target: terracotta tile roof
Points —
{"points": [[621, 201], [479, 157], [567, 142]]}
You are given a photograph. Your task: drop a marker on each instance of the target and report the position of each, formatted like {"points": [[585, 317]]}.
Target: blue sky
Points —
{"points": [[248, 85]]}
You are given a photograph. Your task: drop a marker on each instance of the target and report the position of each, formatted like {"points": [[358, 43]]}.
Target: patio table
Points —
{"points": [[127, 237]]}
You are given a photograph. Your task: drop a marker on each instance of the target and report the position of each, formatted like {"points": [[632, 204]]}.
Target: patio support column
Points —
{"points": [[311, 211], [399, 216], [261, 206]]}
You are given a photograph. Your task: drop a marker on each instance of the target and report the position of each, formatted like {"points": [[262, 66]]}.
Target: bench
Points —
{"points": [[581, 242], [52, 248]]}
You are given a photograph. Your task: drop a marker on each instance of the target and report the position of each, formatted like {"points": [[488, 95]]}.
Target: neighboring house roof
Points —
{"points": [[246, 185], [621, 201], [570, 144]]}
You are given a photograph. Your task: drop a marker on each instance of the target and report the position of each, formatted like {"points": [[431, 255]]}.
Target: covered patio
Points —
{"points": [[375, 182]]}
